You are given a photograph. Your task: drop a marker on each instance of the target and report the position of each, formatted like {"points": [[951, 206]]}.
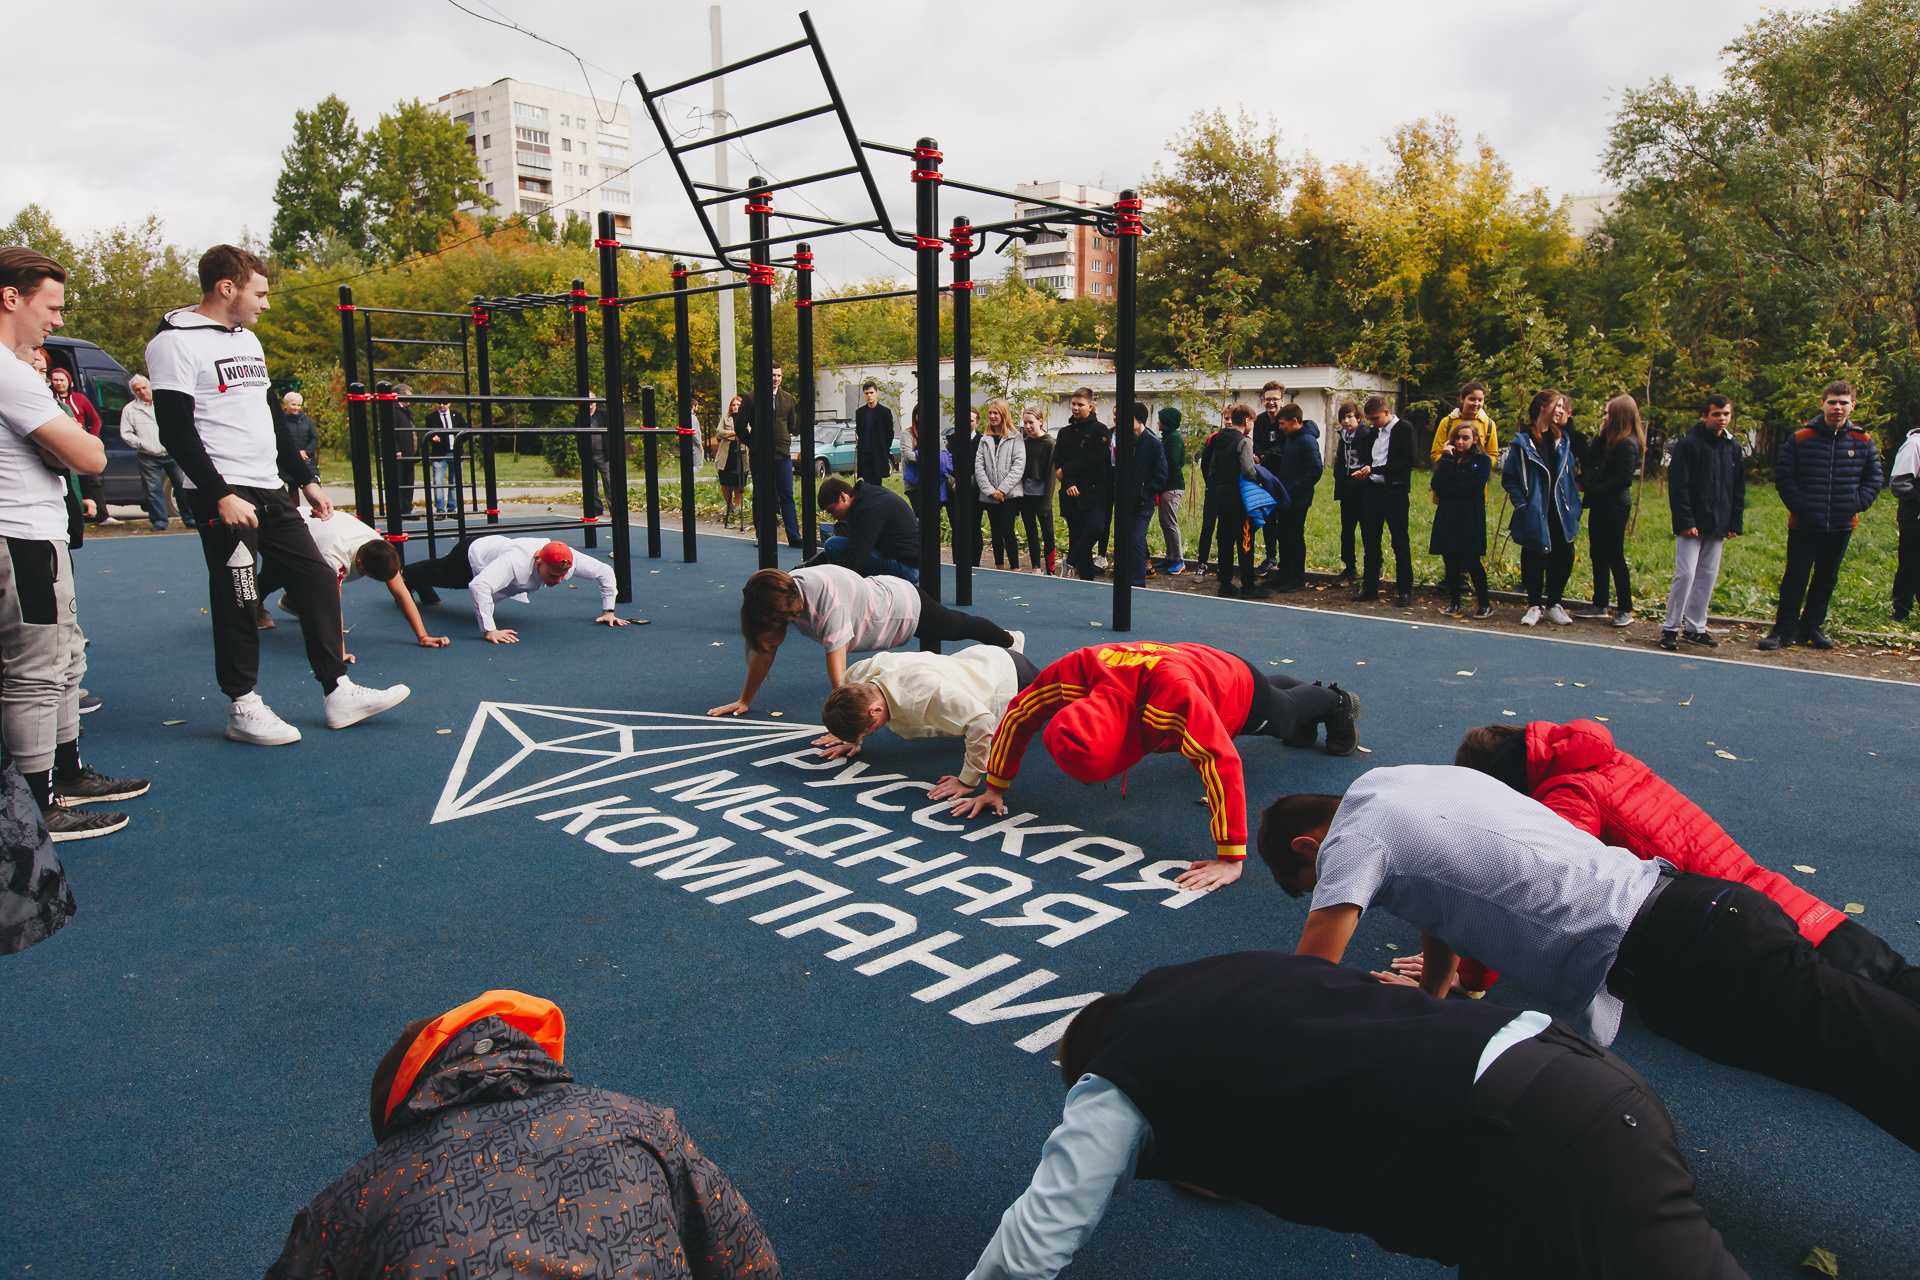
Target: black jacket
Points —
{"points": [[1346, 460], [1397, 470], [873, 429], [1268, 441], [1081, 457], [880, 520], [306, 434], [430, 426], [1608, 474], [1297, 464], [1707, 483], [496, 1163], [782, 437], [1459, 485], [1827, 477], [1149, 471]]}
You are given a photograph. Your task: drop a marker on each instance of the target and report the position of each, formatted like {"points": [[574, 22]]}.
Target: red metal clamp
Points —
{"points": [[386, 395], [345, 306], [1129, 217], [678, 275], [928, 153], [757, 274], [759, 208], [609, 302], [803, 302], [606, 244], [803, 260], [962, 284], [929, 175], [396, 537], [480, 316], [491, 511], [923, 242], [351, 397]]}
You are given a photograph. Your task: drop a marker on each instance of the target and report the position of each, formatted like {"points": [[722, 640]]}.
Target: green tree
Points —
{"points": [[318, 194], [419, 173], [119, 280]]}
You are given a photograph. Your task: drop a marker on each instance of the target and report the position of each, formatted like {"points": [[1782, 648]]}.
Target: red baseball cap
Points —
{"points": [[555, 553]]}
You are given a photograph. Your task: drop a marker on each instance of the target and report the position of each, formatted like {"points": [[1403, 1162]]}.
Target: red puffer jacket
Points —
{"points": [[1576, 771]]}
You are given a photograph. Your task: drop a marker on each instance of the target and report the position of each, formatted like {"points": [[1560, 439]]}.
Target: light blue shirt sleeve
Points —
{"points": [[1088, 1157]]}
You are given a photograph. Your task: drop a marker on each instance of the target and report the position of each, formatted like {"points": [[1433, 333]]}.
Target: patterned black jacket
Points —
{"points": [[506, 1168]]}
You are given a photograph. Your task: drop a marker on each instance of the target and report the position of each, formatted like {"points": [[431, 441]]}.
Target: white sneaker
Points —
{"points": [[250, 719], [1559, 617], [1531, 617], [1100, 562], [349, 703], [1039, 571], [1019, 641]]}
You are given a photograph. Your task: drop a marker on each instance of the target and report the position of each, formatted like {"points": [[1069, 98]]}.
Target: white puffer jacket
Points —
{"points": [[998, 465]]}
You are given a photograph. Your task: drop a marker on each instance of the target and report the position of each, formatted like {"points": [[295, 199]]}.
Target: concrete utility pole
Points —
{"points": [[723, 217]]}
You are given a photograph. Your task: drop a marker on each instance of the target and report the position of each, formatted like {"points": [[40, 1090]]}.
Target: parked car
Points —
{"points": [[833, 448], [102, 379]]}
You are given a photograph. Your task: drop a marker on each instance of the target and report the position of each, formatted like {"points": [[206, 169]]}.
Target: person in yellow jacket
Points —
{"points": [[1473, 409]]}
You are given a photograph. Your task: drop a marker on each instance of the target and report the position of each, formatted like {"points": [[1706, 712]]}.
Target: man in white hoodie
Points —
{"points": [[1905, 483], [221, 424]]}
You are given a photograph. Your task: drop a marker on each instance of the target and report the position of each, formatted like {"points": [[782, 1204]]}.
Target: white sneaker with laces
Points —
{"points": [[1559, 617], [350, 703], [1019, 641], [250, 719], [1531, 617]]}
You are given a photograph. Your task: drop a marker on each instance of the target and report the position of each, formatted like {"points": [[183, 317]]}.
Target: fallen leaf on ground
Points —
{"points": [[1393, 946], [1725, 754], [173, 722], [1366, 750], [1603, 719], [776, 713], [718, 644], [1855, 908], [1286, 660], [1687, 703], [1579, 684], [450, 731], [1509, 713], [1803, 867], [1826, 1262], [1359, 664], [1465, 673]]}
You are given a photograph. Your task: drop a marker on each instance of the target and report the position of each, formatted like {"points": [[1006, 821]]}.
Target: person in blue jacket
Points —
{"points": [[1459, 538], [1828, 472], [1149, 478], [1539, 476], [1299, 471]]}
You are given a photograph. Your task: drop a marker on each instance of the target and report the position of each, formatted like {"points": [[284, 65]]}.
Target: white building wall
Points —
{"points": [[525, 135]]}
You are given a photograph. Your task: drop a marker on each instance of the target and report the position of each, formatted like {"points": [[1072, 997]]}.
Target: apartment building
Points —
{"points": [[548, 151], [1076, 261]]}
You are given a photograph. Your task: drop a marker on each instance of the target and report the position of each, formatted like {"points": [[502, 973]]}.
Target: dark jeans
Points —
{"points": [[968, 541], [836, 552], [1720, 969], [1037, 514], [282, 540], [1818, 554], [1907, 576], [1607, 543], [1854, 948], [1386, 509], [1351, 512], [1086, 526], [1287, 544], [783, 494], [938, 622], [403, 471], [452, 571], [1003, 520], [1282, 704], [1462, 569], [153, 473], [1142, 522], [872, 467], [1544, 574], [1209, 516], [1581, 1148], [1236, 543]]}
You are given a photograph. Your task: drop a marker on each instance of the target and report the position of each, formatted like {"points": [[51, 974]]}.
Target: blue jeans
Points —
{"points": [[877, 564], [443, 494], [1142, 521], [152, 472], [783, 486]]}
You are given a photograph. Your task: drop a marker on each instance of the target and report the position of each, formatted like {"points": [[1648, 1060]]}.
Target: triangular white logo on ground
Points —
{"points": [[521, 752]]}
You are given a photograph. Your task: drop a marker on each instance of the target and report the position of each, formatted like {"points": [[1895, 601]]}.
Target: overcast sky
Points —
{"points": [[182, 109]]}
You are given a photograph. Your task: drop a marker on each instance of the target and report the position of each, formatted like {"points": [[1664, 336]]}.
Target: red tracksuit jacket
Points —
{"points": [[1115, 703]]}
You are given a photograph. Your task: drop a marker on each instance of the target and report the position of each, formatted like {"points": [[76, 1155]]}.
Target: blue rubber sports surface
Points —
{"points": [[187, 1062]]}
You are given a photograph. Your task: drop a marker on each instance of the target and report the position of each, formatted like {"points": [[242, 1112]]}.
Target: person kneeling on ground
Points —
{"points": [[1576, 770], [844, 612], [1350, 1083], [882, 535], [928, 695], [472, 1111], [1714, 966], [354, 549], [1118, 703], [497, 567]]}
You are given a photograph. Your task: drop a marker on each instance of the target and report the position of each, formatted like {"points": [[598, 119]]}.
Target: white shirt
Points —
{"points": [[225, 372], [1497, 875], [339, 539], [1382, 446], [33, 500], [932, 695], [504, 567]]}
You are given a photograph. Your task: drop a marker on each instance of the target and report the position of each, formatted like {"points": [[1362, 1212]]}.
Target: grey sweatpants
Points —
{"points": [[42, 653], [1169, 512]]}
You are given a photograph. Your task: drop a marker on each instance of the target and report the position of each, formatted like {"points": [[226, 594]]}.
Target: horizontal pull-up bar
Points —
{"points": [[395, 311], [731, 134], [717, 72], [681, 293], [452, 373], [491, 399], [869, 297], [872, 224], [416, 342], [890, 148], [735, 193], [1079, 210], [669, 253]]}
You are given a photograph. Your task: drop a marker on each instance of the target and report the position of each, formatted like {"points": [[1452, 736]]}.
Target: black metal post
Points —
{"points": [[648, 424], [766, 503], [613, 379], [357, 447], [483, 371], [383, 462], [683, 400], [383, 402], [1127, 207], [926, 300], [966, 497], [803, 411], [583, 419]]}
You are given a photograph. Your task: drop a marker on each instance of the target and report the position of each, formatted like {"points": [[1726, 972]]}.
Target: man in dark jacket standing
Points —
{"points": [[872, 437], [780, 451], [1269, 444], [1083, 464], [1385, 482], [882, 535], [472, 1112], [1229, 460], [1298, 471], [1828, 472], [440, 427], [1149, 478], [1707, 489], [1347, 458]]}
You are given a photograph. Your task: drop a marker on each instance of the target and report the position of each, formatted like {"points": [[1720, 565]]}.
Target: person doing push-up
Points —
{"points": [[497, 567]]}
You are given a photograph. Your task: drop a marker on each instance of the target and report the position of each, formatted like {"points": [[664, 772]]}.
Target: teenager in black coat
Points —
{"points": [[1611, 464], [1459, 538]]}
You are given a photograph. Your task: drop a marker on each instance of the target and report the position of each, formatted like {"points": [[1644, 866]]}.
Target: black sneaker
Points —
{"points": [[1343, 736], [1304, 735], [88, 703], [65, 824], [1771, 641], [1670, 641], [1403, 600], [95, 788], [1593, 611], [1484, 611], [1700, 638], [1815, 637]]}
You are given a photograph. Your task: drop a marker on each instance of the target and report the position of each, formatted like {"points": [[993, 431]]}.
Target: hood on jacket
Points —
{"points": [[188, 318], [1093, 738], [1574, 747], [505, 1044]]}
